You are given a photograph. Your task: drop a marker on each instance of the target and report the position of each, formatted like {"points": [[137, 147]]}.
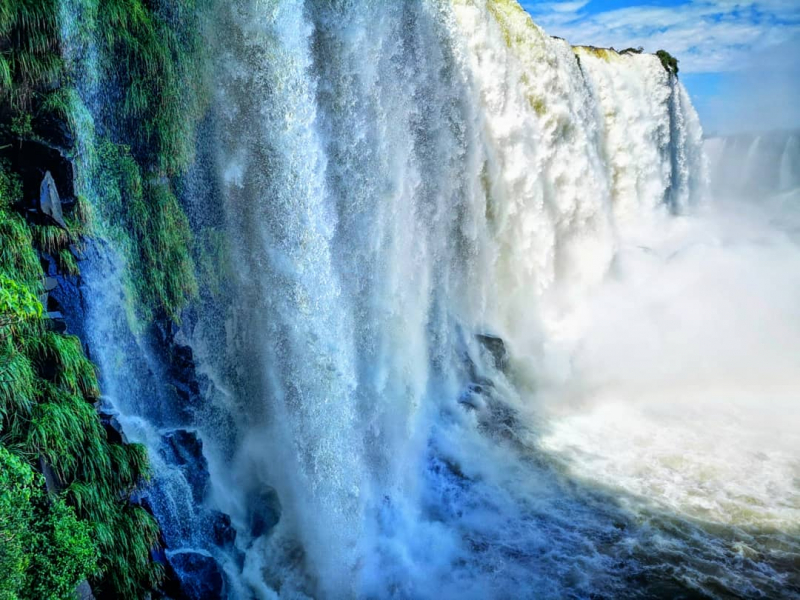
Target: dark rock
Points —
{"points": [[472, 397], [496, 348], [184, 448], [265, 512], [110, 422], [49, 200], [65, 293], [222, 532], [32, 159], [199, 573], [52, 482], [56, 322]]}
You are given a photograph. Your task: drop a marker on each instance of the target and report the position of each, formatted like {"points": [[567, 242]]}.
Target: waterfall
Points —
{"points": [[397, 192], [419, 205], [789, 177], [754, 165]]}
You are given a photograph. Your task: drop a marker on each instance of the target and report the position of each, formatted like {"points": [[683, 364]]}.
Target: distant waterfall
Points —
{"points": [[755, 165]]}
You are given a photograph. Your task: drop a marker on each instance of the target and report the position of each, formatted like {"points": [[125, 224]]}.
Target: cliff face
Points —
{"points": [[290, 236], [65, 196]]}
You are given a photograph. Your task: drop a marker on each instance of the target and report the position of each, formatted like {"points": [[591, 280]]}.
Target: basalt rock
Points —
{"points": [[199, 573], [496, 348], [184, 449], [266, 512]]}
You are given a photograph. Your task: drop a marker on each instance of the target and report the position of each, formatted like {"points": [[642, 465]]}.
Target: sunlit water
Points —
{"points": [[395, 179]]}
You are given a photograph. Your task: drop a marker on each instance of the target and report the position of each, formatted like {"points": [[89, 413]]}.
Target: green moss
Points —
{"points": [[509, 15], [538, 105], [605, 54], [669, 62], [146, 220], [10, 187], [213, 259]]}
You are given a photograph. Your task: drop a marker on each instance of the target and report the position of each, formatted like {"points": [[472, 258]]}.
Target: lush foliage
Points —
{"points": [[45, 551], [47, 390], [146, 88], [47, 386], [29, 58], [669, 62]]}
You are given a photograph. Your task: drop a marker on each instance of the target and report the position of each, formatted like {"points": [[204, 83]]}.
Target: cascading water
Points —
{"points": [[430, 213]]}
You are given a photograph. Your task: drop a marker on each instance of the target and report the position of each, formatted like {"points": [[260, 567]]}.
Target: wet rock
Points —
{"points": [[32, 159], [56, 322], [472, 397], [222, 532], [199, 573], [265, 512], [184, 448], [110, 422], [49, 200], [496, 348]]}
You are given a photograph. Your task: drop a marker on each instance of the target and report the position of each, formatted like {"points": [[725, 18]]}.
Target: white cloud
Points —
{"points": [[706, 35]]}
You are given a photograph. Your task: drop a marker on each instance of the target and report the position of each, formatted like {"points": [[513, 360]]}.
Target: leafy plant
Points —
{"points": [[669, 62], [45, 550]]}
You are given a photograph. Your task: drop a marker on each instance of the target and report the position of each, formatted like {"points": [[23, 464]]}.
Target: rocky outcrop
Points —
{"points": [[496, 348], [50, 201], [200, 575], [184, 449]]}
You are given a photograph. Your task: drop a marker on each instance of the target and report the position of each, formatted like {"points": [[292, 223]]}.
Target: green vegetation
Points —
{"points": [[45, 551], [30, 61], [146, 221], [47, 390], [669, 62], [127, 155]]}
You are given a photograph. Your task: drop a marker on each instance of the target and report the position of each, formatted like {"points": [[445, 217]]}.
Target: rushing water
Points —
{"points": [[400, 184]]}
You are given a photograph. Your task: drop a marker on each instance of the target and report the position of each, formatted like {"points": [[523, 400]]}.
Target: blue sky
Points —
{"points": [[740, 59]]}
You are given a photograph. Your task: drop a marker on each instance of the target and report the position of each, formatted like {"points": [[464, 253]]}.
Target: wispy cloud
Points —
{"points": [[709, 36]]}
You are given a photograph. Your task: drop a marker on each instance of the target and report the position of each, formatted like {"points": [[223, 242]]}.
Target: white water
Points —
{"points": [[397, 178]]}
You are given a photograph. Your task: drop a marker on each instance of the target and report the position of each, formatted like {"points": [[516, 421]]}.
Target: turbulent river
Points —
{"points": [[484, 329]]}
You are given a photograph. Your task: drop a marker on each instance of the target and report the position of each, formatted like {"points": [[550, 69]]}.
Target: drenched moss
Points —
{"points": [[145, 220], [515, 23], [669, 62], [605, 54], [154, 59]]}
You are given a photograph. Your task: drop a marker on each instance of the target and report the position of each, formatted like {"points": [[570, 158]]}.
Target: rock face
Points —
{"points": [[200, 575], [496, 347], [266, 512], [49, 200], [184, 448]]}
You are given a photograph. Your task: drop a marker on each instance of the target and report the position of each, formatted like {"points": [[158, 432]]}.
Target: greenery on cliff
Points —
{"points": [[146, 96]]}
